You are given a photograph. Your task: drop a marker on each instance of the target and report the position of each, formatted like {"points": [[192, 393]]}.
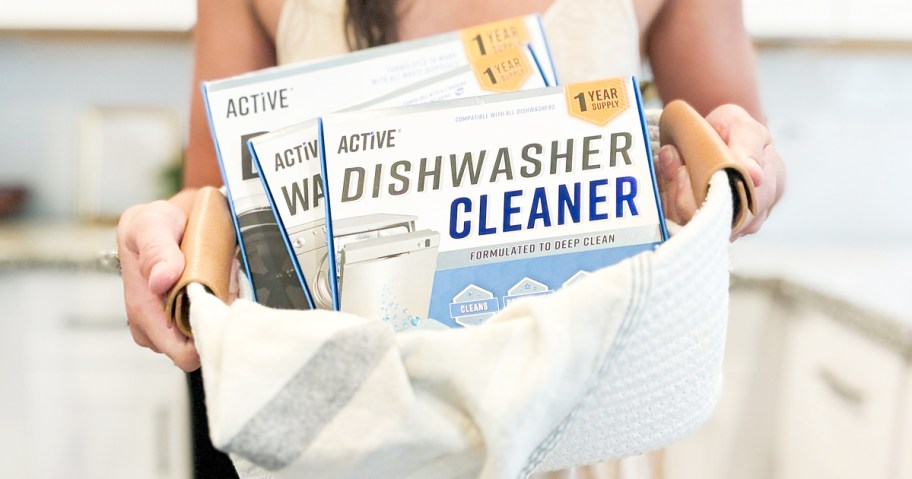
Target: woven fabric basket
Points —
{"points": [[626, 361]]}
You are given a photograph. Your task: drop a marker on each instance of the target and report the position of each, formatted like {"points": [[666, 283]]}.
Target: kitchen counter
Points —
{"points": [[31, 245], [866, 288]]}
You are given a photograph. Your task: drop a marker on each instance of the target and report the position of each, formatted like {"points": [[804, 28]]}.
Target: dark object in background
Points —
{"points": [[208, 463], [12, 198]]}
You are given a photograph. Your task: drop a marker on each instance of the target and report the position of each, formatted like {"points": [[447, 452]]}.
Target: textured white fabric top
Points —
{"points": [[584, 46]]}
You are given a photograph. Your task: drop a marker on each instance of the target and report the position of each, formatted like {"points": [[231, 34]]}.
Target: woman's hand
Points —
{"points": [[750, 144], [148, 242]]}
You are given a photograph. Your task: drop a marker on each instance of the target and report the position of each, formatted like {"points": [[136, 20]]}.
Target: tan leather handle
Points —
{"points": [[209, 246], [704, 154]]}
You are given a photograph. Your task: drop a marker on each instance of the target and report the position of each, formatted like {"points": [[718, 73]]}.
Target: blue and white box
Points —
{"points": [[289, 166], [246, 106], [450, 211]]}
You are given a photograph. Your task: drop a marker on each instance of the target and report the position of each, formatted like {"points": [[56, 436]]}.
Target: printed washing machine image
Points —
{"points": [[274, 279], [386, 269], [309, 244]]}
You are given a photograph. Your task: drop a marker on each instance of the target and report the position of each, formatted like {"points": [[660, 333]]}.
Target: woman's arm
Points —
{"points": [[229, 40], [700, 52], [231, 37]]}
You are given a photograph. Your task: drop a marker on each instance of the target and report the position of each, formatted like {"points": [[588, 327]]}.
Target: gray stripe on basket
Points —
{"points": [[640, 272], [281, 431]]}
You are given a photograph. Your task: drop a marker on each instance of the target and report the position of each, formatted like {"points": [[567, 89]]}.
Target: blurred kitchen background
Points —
{"points": [[93, 110]]}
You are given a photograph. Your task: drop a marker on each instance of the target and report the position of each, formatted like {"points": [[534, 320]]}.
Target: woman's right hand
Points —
{"points": [[148, 243]]}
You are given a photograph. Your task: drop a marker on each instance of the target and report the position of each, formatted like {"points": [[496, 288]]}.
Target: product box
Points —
{"points": [[288, 163], [249, 105], [447, 212]]}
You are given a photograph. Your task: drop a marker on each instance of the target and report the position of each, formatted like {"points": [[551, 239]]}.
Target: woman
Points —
{"points": [[698, 51]]}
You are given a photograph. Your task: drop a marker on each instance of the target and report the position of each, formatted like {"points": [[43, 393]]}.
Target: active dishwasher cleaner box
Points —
{"points": [[288, 163], [245, 106], [447, 212]]}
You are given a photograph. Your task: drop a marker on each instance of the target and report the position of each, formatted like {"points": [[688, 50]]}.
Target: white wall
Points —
{"points": [[47, 82], [841, 120], [839, 117]]}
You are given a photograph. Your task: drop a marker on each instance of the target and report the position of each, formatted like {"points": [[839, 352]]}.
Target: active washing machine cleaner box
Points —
{"points": [[288, 163], [249, 105], [447, 212]]}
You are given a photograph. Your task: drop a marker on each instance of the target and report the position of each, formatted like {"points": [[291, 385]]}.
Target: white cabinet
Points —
{"points": [[806, 395], [736, 443], [89, 402], [829, 19], [117, 15], [840, 402], [104, 425], [904, 446]]}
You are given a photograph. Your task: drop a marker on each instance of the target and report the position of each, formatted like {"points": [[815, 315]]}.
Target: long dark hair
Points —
{"points": [[369, 23]]}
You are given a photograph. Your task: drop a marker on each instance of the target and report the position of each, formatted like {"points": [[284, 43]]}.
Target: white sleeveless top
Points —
{"points": [[589, 39], [584, 46]]}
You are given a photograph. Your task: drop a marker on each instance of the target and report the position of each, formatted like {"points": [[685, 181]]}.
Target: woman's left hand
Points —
{"points": [[751, 145]]}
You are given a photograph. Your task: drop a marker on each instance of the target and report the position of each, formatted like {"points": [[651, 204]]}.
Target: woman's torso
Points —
{"points": [[578, 30], [588, 39]]}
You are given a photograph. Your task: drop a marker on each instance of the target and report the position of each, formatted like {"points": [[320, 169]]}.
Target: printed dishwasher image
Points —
{"points": [[524, 193], [385, 267]]}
